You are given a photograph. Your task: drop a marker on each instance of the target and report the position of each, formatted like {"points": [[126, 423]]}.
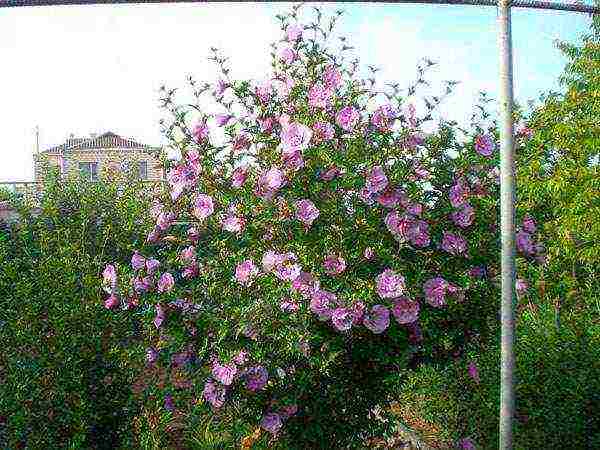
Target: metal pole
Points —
{"points": [[507, 225]]}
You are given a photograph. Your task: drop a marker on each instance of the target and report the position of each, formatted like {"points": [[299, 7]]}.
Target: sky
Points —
{"points": [[91, 69]]}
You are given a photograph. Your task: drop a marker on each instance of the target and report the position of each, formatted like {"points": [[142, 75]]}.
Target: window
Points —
{"points": [[89, 170], [143, 170]]}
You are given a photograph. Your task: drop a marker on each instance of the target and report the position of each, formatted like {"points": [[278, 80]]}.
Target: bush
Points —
{"points": [[331, 246], [556, 387], [557, 369], [66, 364]]}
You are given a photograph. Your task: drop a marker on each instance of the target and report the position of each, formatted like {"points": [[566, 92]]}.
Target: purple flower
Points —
{"points": [[419, 233], [294, 32], [234, 224], [263, 92], [399, 225], [477, 272], [322, 131], [389, 198], [473, 372], [256, 378], [525, 243], [378, 319], [270, 260], [269, 182], [142, 284], [330, 174], [306, 211], [334, 265], [266, 124], [240, 142], [390, 284], [410, 115], [529, 224], [484, 145], [347, 118], [376, 180], [320, 96], [321, 304], [180, 359], [294, 137], [203, 206], [368, 253], [271, 422], [458, 194], [137, 261], [288, 411], [214, 393], [287, 55], [305, 284], [245, 272], [164, 220], [190, 271], [153, 236], [188, 254], [111, 302], [358, 311], [160, 315], [288, 305], [453, 243], [405, 310], [415, 335], [463, 217], [180, 178], [435, 290], [222, 86], [383, 117], [286, 268], [166, 282], [284, 86], [342, 318], [223, 119], [224, 374], [521, 286], [151, 355], [241, 358], [169, 405], [200, 131], [466, 444], [109, 276], [332, 77], [293, 161], [152, 265]]}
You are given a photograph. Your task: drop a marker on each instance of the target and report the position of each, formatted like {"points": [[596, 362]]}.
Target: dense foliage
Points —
{"points": [[313, 246], [558, 332], [558, 174], [66, 364]]}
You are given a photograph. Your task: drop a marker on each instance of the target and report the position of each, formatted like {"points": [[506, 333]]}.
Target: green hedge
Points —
{"points": [[557, 387], [65, 368]]}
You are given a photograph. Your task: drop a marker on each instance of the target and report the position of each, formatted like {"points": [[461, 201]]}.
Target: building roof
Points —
{"points": [[103, 141]]}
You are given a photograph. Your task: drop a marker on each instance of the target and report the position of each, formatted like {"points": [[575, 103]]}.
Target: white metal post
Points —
{"points": [[507, 225]]}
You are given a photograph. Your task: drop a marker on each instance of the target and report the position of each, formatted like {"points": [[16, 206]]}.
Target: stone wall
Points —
{"points": [[109, 161]]}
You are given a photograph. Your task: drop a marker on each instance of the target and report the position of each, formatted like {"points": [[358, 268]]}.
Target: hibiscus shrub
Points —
{"points": [[65, 364], [314, 245]]}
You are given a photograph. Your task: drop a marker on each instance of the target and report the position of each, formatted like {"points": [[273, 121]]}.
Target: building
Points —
{"points": [[92, 156]]}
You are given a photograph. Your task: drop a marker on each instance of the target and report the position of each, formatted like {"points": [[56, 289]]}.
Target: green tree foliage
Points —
{"points": [[558, 171], [65, 363]]}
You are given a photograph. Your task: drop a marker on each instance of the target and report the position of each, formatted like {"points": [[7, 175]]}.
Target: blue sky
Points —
{"points": [[91, 69]]}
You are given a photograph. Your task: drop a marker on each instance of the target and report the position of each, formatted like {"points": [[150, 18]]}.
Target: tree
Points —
{"points": [[558, 170]]}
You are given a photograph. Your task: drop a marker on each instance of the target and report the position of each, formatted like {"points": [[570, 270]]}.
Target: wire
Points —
{"points": [[517, 3]]}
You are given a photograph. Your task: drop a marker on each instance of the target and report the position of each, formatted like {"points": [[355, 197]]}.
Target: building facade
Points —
{"points": [[105, 154]]}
